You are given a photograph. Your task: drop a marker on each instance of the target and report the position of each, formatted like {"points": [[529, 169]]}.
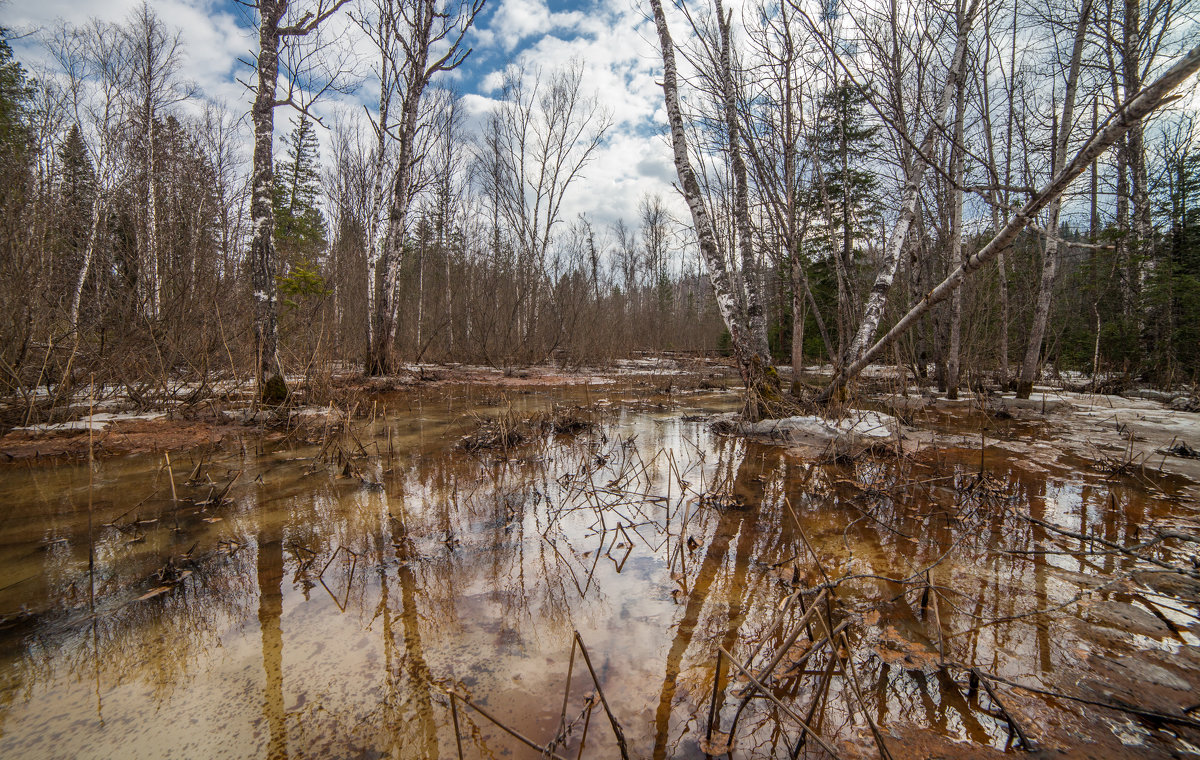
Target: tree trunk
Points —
{"points": [[377, 221], [953, 361], [149, 269], [798, 318], [1041, 311], [382, 358], [268, 372], [755, 318], [1131, 44], [1128, 113], [761, 381], [88, 254], [877, 299]]}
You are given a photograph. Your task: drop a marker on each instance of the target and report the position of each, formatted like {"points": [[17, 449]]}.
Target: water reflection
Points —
{"points": [[385, 568]]}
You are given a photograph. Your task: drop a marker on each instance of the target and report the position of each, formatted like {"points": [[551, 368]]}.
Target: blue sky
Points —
{"points": [[612, 38]]}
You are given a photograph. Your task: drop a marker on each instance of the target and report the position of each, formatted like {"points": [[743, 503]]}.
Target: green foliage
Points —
{"points": [[844, 145], [16, 90], [300, 233], [302, 282], [76, 189], [725, 343]]}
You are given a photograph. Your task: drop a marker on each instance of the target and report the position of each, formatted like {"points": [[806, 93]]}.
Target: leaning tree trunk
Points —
{"points": [[1131, 112], [268, 372], [88, 254], [753, 372], [878, 297], [1041, 312]]}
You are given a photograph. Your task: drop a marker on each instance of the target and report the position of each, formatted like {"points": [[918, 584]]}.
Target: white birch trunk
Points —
{"points": [[262, 210], [1041, 313], [1131, 112], [89, 253]]}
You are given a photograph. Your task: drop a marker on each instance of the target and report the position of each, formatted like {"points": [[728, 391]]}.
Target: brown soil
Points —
{"points": [[122, 437]]}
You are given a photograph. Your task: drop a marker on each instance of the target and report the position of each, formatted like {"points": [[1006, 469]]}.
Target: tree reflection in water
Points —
{"points": [[382, 586]]}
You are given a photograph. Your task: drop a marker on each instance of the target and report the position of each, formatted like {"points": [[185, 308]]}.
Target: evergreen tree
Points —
{"points": [[843, 146], [1172, 294], [299, 224], [16, 136], [15, 92], [76, 191]]}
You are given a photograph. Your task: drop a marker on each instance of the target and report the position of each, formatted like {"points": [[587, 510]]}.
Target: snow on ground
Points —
{"points": [[98, 421]]}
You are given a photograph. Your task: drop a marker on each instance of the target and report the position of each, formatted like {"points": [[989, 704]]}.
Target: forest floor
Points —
{"points": [[1130, 432]]}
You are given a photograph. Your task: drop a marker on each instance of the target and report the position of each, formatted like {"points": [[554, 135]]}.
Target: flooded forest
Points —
{"points": [[607, 379]]}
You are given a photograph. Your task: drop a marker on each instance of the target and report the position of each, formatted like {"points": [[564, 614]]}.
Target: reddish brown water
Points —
{"points": [[327, 611]]}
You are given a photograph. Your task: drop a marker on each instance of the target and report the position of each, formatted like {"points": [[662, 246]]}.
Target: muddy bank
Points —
{"points": [[118, 426]]}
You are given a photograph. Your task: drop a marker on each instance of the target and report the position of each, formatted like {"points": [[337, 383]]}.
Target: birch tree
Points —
{"points": [[94, 60], [155, 55], [762, 386], [548, 132], [878, 296], [280, 23], [1050, 255], [1126, 115], [430, 36]]}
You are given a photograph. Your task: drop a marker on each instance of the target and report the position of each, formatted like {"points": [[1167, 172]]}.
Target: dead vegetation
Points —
{"points": [[508, 429]]}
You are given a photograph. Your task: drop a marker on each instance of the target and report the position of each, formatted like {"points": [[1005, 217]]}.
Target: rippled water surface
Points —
{"points": [[320, 592]]}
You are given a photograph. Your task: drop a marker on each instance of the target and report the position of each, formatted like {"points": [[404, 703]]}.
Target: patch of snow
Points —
{"points": [[98, 421]]}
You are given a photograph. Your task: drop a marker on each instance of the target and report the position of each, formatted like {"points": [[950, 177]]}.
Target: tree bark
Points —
{"points": [[953, 361], [268, 372], [1132, 111], [754, 374], [755, 318], [1041, 311], [89, 253]]}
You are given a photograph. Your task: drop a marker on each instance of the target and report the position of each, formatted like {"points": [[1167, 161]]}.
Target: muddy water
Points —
{"points": [[349, 579]]}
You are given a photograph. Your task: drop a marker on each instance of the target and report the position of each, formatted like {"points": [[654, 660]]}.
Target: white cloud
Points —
{"points": [[614, 39]]}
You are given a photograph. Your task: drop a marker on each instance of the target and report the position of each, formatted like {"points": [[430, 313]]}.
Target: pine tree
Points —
{"points": [[16, 137], [15, 92], [299, 223]]}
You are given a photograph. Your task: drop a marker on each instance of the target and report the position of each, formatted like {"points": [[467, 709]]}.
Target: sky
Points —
{"points": [[614, 39]]}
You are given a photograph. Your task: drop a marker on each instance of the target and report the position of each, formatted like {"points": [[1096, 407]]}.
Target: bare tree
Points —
{"points": [[94, 60], [280, 23], [1062, 138], [1129, 113], [954, 80], [548, 132], [957, 150], [155, 55], [431, 40], [745, 345]]}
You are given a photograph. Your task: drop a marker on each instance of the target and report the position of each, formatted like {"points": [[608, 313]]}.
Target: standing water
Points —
{"points": [[567, 577]]}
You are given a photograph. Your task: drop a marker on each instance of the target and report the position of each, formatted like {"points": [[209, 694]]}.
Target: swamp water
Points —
{"points": [[320, 595]]}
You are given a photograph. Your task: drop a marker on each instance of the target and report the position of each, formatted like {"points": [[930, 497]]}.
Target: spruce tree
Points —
{"points": [[299, 224], [76, 191], [15, 93], [844, 143]]}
